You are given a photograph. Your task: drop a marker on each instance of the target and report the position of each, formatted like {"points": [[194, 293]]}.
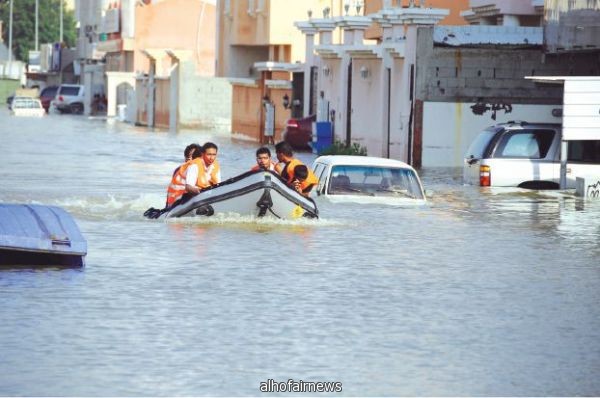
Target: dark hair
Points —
{"points": [[196, 151], [262, 150], [209, 145], [192, 149], [301, 172], [285, 148]]}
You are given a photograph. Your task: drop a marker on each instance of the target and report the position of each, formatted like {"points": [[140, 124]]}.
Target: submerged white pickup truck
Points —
{"points": [[527, 155]]}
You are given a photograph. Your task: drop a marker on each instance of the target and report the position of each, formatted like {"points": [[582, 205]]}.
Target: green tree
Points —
{"points": [[24, 25]]}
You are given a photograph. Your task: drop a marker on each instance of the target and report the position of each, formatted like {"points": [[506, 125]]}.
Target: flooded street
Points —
{"points": [[480, 292]]}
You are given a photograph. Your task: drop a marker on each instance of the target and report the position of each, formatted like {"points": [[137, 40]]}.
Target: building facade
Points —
{"points": [[423, 90], [134, 50]]}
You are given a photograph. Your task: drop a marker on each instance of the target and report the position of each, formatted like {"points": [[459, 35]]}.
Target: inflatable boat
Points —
{"points": [[37, 235], [255, 193]]}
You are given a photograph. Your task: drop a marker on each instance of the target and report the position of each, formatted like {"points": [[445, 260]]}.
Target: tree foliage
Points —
{"points": [[23, 38]]}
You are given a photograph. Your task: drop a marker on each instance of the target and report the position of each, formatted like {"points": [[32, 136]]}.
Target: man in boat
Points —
{"points": [[204, 171], [287, 161], [304, 180], [177, 186], [263, 160]]}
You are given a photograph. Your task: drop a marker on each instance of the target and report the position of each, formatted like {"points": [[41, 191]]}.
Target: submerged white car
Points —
{"points": [[366, 179], [26, 106]]}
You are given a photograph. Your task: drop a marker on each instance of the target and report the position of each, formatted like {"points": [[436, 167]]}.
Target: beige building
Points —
{"points": [[267, 59], [149, 57], [258, 49]]}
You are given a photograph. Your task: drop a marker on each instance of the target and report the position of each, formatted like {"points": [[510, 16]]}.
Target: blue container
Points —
{"points": [[322, 136], [39, 235]]}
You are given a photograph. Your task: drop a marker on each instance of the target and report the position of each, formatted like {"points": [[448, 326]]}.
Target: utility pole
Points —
{"points": [[37, 25], [61, 22], [10, 28]]}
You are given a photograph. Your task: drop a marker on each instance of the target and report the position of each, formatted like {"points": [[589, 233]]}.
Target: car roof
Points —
{"points": [[336, 160], [519, 124]]}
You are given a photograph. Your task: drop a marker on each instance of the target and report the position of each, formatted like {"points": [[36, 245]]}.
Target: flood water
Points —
{"points": [[477, 293]]}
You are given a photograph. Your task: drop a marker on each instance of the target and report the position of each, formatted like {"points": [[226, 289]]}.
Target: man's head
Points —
{"points": [[263, 158], [284, 151], [301, 172], [192, 151], [210, 153]]}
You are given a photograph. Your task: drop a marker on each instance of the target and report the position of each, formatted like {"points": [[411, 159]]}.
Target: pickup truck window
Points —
{"points": [[69, 90], [528, 144]]}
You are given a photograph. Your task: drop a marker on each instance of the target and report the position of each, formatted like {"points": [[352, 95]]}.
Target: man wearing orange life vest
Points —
{"points": [[287, 162], [203, 172], [304, 180], [263, 160], [177, 186]]}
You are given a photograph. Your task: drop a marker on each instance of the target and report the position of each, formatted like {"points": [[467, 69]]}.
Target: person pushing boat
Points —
{"points": [[263, 160]]}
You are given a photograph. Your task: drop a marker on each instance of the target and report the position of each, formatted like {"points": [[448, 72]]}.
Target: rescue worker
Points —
{"points": [[204, 171], [304, 180], [287, 162], [177, 186], [263, 160]]}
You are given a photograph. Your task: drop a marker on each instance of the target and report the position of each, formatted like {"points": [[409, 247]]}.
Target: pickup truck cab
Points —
{"points": [[527, 155]]}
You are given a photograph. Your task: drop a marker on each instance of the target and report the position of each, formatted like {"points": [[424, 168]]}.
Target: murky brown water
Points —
{"points": [[478, 293]]}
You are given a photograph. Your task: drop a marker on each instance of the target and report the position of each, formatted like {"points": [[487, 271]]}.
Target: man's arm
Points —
{"points": [[191, 176]]}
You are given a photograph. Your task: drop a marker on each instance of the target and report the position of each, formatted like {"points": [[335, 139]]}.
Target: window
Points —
{"points": [[584, 152], [74, 91], [479, 145], [319, 173], [527, 144]]}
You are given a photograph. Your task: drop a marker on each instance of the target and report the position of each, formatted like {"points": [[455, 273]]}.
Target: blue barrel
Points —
{"points": [[322, 136]]}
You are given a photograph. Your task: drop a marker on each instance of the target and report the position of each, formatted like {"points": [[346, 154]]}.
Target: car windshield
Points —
{"points": [[374, 181], [24, 103], [479, 145]]}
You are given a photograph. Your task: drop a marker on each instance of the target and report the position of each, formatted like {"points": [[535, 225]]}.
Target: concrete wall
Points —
{"points": [[449, 128], [494, 74], [205, 102]]}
